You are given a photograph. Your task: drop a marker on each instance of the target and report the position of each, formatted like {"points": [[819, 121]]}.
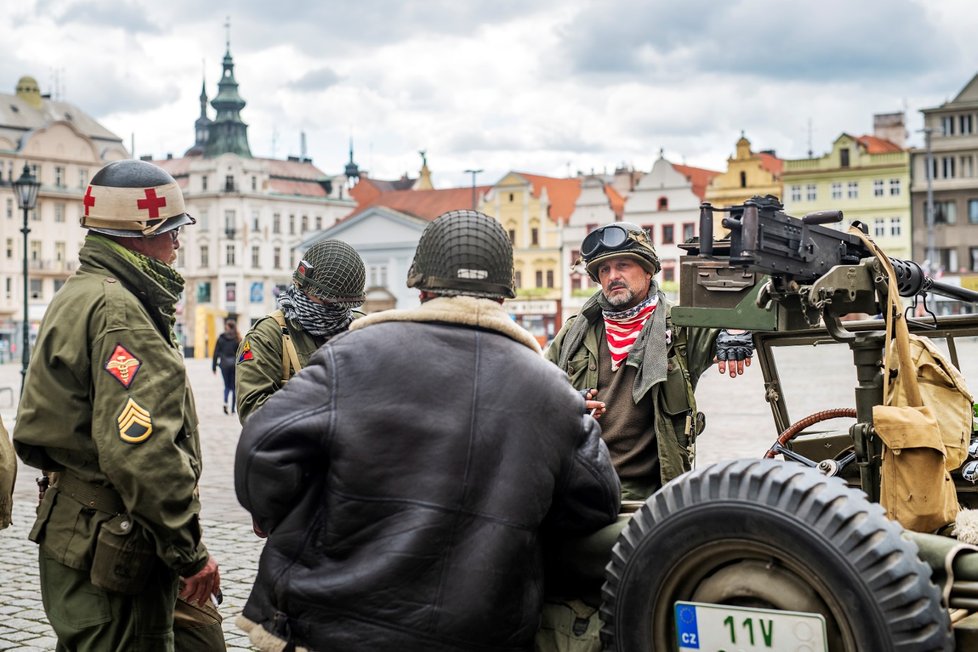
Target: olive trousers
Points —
{"points": [[86, 618]]}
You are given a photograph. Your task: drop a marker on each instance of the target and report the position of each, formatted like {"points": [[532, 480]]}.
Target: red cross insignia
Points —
{"points": [[122, 365], [246, 352], [152, 203], [135, 423], [88, 200]]}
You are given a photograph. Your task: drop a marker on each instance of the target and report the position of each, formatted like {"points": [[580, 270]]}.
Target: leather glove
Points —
{"points": [[734, 347]]}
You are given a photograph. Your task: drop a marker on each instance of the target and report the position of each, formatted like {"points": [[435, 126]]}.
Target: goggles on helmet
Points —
{"points": [[613, 237]]}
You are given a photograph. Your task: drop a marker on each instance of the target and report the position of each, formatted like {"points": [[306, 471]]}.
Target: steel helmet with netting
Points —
{"points": [[333, 271], [618, 239], [464, 252], [131, 199]]}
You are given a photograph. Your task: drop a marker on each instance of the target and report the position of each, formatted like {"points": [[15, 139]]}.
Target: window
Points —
{"points": [[945, 212], [10, 208], [58, 284], [663, 204], [230, 223], [877, 188], [518, 279], [203, 183], [811, 192], [292, 224], [539, 278], [36, 213], [894, 187], [836, 191], [59, 176], [550, 278], [229, 255], [276, 223], [668, 234], [229, 183], [277, 258], [255, 222], [668, 273], [948, 258], [947, 167], [689, 231], [59, 211], [82, 178], [319, 222], [534, 237], [896, 226], [35, 250], [743, 179], [879, 227], [972, 216], [254, 183], [844, 157], [10, 247], [305, 224], [795, 193], [10, 288], [204, 256], [202, 220], [964, 122], [59, 252], [377, 276], [973, 251], [231, 292], [36, 288], [852, 190], [511, 197], [947, 125], [512, 236], [204, 292], [255, 256], [968, 165]]}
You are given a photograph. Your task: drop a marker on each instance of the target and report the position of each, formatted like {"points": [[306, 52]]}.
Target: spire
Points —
{"points": [[228, 132], [351, 171], [424, 177], [201, 124]]}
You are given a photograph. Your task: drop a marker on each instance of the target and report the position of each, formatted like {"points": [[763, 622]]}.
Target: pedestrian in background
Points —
{"points": [[225, 354], [407, 475], [108, 412], [327, 285]]}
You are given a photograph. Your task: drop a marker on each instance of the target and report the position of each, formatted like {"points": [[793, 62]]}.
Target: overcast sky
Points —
{"points": [[544, 86]]}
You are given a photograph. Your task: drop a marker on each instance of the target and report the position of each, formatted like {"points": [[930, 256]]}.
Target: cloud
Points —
{"points": [[128, 15], [316, 80]]}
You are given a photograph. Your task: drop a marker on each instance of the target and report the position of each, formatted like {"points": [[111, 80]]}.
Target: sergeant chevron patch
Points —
{"points": [[135, 423]]}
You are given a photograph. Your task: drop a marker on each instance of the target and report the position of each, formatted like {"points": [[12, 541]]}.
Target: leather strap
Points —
{"points": [[290, 357]]}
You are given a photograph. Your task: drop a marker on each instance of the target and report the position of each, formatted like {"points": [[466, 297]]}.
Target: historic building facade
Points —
{"points": [[748, 173], [251, 214], [64, 147], [953, 232]]}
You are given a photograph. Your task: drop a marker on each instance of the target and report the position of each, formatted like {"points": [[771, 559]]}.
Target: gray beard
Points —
{"points": [[620, 299]]}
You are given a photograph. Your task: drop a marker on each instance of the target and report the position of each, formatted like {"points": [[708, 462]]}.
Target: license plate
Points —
{"points": [[720, 628]]}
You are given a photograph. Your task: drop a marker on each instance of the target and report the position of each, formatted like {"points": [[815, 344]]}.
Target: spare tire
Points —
{"points": [[773, 535]]}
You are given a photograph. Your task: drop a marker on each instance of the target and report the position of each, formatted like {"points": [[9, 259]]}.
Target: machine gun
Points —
{"points": [[815, 273]]}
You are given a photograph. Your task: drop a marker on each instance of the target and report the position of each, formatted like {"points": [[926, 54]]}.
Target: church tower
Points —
{"points": [[227, 133]]}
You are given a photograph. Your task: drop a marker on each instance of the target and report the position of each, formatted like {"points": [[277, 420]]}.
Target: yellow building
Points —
{"points": [[748, 173], [533, 210], [867, 177]]}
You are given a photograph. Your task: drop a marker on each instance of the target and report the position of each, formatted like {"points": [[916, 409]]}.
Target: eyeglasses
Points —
{"points": [[174, 234], [608, 238]]}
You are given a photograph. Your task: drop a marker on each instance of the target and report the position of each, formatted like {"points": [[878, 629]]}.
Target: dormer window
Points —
{"points": [[663, 204]]}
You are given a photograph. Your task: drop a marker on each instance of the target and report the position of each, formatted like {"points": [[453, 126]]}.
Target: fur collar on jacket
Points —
{"points": [[467, 311]]}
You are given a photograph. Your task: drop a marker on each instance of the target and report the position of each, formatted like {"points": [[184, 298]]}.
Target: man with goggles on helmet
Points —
{"points": [[636, 370]]}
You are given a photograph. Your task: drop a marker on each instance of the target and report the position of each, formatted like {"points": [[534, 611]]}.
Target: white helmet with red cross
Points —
{"points": [[132, 198]]}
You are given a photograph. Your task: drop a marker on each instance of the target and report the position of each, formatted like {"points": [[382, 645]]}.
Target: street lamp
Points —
{"points": [[26, 190], [473, 173]]}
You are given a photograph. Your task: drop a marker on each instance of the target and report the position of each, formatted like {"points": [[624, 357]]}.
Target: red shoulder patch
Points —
{"points": [[246, 352], [122, 365]]}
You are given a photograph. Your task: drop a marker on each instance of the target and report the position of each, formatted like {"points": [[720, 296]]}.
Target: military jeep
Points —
{"points": [[791, 551]]}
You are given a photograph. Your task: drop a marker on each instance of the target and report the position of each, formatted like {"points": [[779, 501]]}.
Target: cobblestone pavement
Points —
{"points": [[739, 425]]}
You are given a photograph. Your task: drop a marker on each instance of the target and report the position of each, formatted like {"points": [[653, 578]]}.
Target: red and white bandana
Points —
{"points": [[622, 329]]}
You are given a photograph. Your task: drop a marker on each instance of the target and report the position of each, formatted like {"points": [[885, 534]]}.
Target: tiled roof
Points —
{"points": [[425, 204], [17, 115], [563, 194], [876, 145], [698, 177], [771, 163], [615, 200], [367, 190]]}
